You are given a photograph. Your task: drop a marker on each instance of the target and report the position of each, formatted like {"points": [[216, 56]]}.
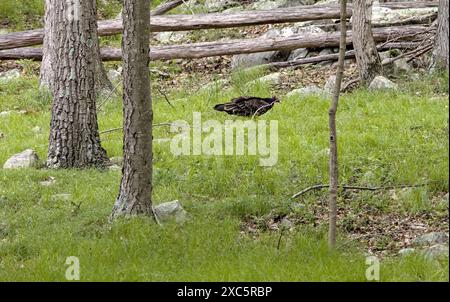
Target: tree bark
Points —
{"points": [[441, 49], [333, 164], [204, 21], [47, 74], [136, 185], [210, 49], [74, 140], [367, 58]]}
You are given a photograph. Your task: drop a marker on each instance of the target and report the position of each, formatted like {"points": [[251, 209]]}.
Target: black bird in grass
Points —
{"points": [[247, 106]]}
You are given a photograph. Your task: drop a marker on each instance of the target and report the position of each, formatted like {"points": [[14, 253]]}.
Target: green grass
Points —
{"points": [[384, 138]]}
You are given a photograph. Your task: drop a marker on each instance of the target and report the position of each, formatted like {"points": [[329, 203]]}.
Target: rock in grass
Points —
{"points": [[406, 251], [7, 76], [270, 79], [25, 159], [61, 197], [436, 251], [170, 211], [381, 82], [305, 91], [431, 239], [116, 160]]}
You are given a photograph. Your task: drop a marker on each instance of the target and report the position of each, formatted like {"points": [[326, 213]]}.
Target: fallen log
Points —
{"points": [[207, 21], [334, 57], [210, 49]]}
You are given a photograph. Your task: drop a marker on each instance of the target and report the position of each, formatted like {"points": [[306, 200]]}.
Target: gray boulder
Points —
{"points": [[267, 4], [406, 251], [436, 251], [219, 5], [431, 239], [170, 211], [305, 91], [380, 82], [25, 159], [270, 79], [9, 75]]}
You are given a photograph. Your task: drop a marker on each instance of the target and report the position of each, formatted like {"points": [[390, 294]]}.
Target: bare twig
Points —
{"points": [[165, 97], [120, 128], [361, 188]]}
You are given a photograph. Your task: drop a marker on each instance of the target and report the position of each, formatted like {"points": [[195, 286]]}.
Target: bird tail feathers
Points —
{"points": [[219, 107]]}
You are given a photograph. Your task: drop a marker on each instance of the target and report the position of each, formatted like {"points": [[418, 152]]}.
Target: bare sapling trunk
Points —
{"points": [[136, 184], [367, 58], [74, 139], [47, 73], [441, 50], [333, 164]]}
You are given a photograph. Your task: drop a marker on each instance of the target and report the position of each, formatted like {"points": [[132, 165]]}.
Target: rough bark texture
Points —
{"points": [[441, 48], [47, 73], [210, 49], [136, 185], [74, 139], [367, 58], [333, 165], [205, 21]]}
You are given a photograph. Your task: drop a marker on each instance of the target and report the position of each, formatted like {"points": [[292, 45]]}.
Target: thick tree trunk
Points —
{"points": [[441, 48], [47, 74], [333, 163], [367, 58], [210, 49], [74, 139], [136, 185]]}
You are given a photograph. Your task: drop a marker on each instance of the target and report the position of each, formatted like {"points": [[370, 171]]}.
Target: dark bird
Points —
{"points": [[247, 106]]}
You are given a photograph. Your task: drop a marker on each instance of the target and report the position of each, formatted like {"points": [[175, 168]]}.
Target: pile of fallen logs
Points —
{"points": [[15, 45]]}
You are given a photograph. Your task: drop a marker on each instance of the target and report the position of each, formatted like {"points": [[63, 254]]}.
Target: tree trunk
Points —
{"points": [[136, 184], [441, 49], [74, 138], [333, 164], [367, 58], [47, 73]]}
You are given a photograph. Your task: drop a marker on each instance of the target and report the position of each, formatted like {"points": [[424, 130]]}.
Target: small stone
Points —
{"points": [[116, 160], [431, 238], [114, 168], [114, 75], [406, 251], [401, 65], [25, 159], [286, 224], [48, 182], [299, 53], [170, 211], [305, 91], [36, 130], [62, 197], [270, 79], [380, 82]]}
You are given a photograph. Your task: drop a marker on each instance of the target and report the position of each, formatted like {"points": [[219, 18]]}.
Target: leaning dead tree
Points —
{"points": [[441, 49], [204, 21], [135, 193], [367, 58], [219, 48], [333, 164], [74, 139]]}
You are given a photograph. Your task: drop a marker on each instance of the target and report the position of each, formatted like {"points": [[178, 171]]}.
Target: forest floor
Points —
{"points": [[243, 224], [237, 208]]}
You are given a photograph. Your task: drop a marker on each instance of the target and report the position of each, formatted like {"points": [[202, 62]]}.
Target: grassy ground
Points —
{"points": [[384, 138]]}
